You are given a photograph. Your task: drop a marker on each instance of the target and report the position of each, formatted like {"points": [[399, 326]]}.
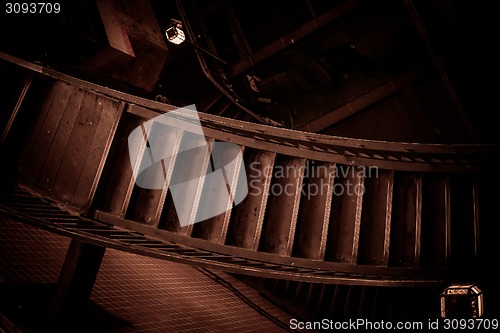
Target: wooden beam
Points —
{"points": [[365, 100], [241, 41], [406, 219], [25, 85], [74, 286], [292, 38], [117, 115]]}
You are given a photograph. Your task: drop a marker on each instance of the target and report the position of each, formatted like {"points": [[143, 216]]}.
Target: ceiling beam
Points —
{"points": [[365, 100], [240, 40], [292, 38]]}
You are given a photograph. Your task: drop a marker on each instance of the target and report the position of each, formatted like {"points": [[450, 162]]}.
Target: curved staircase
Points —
{"points": [[353, 212]]}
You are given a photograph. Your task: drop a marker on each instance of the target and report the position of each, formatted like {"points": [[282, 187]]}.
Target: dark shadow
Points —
{"points": [[25, 306]]}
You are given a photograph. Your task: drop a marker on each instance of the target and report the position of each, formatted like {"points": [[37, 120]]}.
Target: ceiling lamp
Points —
{"points": [[174, 32], [175, 35]]}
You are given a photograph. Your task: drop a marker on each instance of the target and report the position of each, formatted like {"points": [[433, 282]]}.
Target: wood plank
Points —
{"points": [[367, 303], [111, 112], [78, 147], [104, 160], [147, 204], [338, 302], [53, 160], [290, 39], [487, 197], [315, 207], [215, 229], [406, 220], [435, 220], [463, 243], [33, 112], [74, 286], [189, 172], [117, 174], [223, 177], [376, 218], [9, 114], [309, 298], [135, 163], [383, 303], [328, 300], [360, 103], [351, 305], [246, 223], [48, 130], [477, 238], [303, 294], [343, 237], [448, 230], [314, 297], [285, 194], [11, 84], [323, 297]]}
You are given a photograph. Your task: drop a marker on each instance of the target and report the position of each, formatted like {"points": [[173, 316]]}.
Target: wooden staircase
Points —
{"points": [[355, 212]]}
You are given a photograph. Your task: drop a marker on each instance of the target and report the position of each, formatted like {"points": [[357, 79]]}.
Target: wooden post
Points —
{"points": [[74, 286]]}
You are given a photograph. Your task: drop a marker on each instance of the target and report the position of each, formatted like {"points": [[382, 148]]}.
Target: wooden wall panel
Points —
{"points": [[53, 159], [54, 107], [71, 133], [113, 190], [77, 149], [106, 129]]}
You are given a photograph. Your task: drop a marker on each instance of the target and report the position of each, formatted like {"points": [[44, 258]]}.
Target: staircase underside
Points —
{"points": [[424, 218]]}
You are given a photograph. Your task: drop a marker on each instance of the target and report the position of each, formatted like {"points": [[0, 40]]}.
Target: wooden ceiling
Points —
{"points": [[393, 70]]}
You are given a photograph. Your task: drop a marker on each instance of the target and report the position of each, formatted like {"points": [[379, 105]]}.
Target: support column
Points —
{"points": [[74, 286]]}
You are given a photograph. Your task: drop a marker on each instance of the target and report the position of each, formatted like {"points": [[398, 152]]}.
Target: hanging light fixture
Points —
{"points": [[175, 35], [174, 32]]}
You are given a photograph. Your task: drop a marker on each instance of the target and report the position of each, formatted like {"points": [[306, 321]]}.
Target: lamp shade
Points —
{"points": [[175, 35]]}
